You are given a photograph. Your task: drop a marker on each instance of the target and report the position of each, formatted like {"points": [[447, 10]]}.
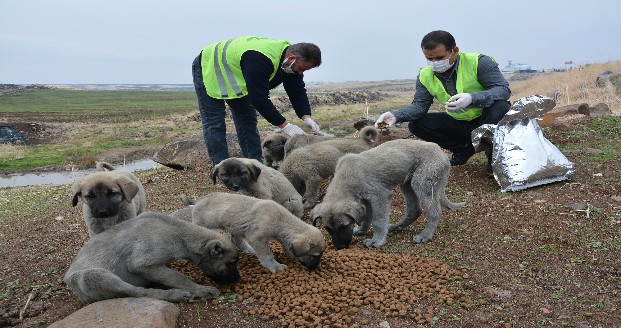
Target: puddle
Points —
{"points": [[67, 177]]}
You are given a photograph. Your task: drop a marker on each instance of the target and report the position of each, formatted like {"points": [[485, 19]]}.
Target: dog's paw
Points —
{"points": [[419, 239], [372, 243], [207, 292], [277, 267], [358, 231]]}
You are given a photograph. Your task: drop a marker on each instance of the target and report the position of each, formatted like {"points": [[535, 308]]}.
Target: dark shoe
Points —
{"points": [[462, 156], [488, 168]]}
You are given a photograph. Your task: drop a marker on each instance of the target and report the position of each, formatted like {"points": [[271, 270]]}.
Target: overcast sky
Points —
{"points": [[154, 41]]}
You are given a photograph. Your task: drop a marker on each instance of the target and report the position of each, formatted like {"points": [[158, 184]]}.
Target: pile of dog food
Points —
{"points": [[349, 280]]}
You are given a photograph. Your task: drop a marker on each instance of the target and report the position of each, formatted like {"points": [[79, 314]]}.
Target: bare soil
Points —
{"points": [[546, 256]]}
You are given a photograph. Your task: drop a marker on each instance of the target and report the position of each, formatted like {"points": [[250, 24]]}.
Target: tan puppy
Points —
{"points": [[252, 178], [253, 222], [307, 166], [360, 193], [126, 259], [108, 197]]}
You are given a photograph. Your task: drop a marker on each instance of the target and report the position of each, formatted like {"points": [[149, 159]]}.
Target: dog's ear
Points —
{"points": [[76, 189], [267, 144], [128, 187], [214, 248], [214, 173], [300, 245], [255, 171], [354, 210]]}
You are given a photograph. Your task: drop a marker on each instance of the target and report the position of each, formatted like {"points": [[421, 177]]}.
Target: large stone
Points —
{"points": [[123, 312], [573, 109], [599, 109], [191, 153]]}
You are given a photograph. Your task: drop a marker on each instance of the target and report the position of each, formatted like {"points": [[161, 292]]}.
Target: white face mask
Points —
{"points": [[440, 66], [288, 69]]}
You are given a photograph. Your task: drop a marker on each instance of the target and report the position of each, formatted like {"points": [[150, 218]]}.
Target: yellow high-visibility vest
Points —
{"points": [[467, 82], [221, 66]]}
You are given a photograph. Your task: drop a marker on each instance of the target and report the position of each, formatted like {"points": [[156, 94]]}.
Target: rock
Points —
{"points": [[600, 109], [123, 312], [550, 116], [606, 77], [183, 154]]}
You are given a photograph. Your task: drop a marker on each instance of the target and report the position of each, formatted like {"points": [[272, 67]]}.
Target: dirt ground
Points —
{"points": [[546, 256]]}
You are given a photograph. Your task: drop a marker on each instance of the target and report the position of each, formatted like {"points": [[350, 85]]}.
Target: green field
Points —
{"points": [[88, 125], [120, 105]]}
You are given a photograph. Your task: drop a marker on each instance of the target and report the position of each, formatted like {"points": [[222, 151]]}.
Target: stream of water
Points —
{"points": [[66, 177]]}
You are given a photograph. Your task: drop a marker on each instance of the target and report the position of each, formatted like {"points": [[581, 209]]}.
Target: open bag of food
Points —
{"points": [[522, 157]]}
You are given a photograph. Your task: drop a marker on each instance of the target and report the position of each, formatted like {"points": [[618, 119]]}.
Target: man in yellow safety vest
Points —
{"points": [[241, 72], [469, 85]]}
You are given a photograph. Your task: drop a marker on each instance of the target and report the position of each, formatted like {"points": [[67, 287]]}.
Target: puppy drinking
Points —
{"points": [[253, 222]]}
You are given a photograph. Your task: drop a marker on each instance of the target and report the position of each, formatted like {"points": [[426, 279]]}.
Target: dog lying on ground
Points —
{"points": [[273, 148], [109, 196], [307, 166], [361, 191], [126, 259], [252, 178], [253, 222]]}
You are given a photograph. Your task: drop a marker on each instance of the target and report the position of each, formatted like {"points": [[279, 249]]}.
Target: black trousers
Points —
{"points": [[453, 134]]}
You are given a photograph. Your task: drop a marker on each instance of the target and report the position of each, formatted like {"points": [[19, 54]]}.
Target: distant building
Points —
{"points": [[517, 68]]}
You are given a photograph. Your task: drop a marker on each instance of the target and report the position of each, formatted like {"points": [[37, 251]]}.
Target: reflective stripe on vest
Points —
{"points": [[467, 82], [221, 66]]}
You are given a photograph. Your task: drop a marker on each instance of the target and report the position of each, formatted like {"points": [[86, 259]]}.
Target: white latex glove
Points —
{"points": [[458, 102], [311, 124], [292, 129], [387, 118]]}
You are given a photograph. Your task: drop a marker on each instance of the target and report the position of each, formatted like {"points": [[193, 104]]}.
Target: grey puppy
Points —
{"points": [[252, 178], [360, 193], [273, 148], [307, 166], [108, 197], [254, 222], [127, 259], [301, 140], [277, 146]]}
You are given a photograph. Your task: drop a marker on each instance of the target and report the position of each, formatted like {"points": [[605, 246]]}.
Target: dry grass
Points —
{"points": [[573, 87]]}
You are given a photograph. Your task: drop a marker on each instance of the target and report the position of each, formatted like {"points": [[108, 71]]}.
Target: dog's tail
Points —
{"points": [[103, 166], [369, 134], [450, 205], [185, 200]]}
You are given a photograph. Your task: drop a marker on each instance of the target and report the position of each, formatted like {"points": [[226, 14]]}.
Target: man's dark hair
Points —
{"points": [[435, 38], [307, 52]]}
